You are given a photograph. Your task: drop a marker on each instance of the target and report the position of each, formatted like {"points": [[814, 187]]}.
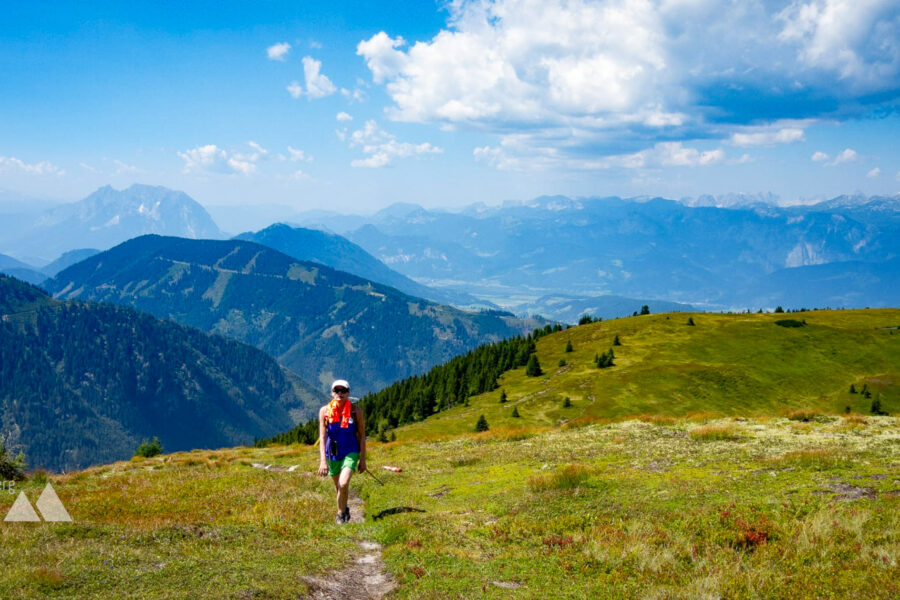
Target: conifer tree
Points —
{"points": [[569, 347], [482, 424], [645, 310], [503, 397], [533, 369], [690, 321], [562, 362], [567, 403], [515, 413], [617, 341]]}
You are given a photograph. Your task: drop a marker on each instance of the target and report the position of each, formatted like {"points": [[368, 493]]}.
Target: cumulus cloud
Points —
{"points": [[278, 51], [585, 75], [819, 157], [212, 159], [11, 163], [343, 117], [382, 147], [856, 40], [317, 84], [873, 173]]}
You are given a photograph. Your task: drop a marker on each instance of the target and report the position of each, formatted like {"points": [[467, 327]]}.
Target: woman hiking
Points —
{"points": [[342, 447]]}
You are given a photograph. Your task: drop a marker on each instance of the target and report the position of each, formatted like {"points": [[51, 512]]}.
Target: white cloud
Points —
{"points": [[317, 84], [819, 157], [845, 156], [770, 137], [582, 75], [662, 154], [39, 168], [857, 40], [278, 51], [257, 147], [298, 155], [381, 56], [382, 147], [212, 159], [295, 89], [873, 173], [342, 116]]}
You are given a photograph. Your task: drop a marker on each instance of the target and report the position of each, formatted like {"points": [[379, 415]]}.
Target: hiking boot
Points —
{"points": [[346, 514]]}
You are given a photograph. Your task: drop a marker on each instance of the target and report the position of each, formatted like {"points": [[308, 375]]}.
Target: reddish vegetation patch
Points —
{"points": [[558, 541]]}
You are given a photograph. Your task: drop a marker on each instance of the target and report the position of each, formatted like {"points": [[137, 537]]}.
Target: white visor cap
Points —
{"points": [[340, 383]]}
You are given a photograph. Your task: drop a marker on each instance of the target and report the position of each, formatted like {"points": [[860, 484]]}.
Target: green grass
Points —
{"points": [[729, 365], [733, 478]]}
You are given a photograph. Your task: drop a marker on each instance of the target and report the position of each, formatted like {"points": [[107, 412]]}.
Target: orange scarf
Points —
{"points": [[341, 414]]}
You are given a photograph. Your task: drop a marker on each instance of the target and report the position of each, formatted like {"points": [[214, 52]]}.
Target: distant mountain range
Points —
{"points": [[106, 218], [710, 257], [84, 383], [317, 321]]}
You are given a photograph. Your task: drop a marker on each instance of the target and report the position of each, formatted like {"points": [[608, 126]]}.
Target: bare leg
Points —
{"points": [[342, 487]]}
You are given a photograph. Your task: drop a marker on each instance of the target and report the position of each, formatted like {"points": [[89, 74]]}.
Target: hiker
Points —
{"points": [[342, 443]]}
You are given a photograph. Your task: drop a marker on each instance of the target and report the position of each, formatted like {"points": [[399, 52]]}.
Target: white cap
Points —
{"points": [[340, 383]]}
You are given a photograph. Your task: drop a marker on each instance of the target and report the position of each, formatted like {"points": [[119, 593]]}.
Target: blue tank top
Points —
{"points": [[344, 439]]}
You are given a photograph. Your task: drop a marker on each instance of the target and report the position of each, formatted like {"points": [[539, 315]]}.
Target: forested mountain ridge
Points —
{"points": [[84, 383], [339, 253], [317, 321]]}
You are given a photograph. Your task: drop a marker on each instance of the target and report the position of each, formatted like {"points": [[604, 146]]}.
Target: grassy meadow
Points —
{"points": [[712, 461]]}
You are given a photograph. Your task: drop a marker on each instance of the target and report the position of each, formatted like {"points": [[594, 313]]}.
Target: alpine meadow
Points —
{"points": [[450, 300]]}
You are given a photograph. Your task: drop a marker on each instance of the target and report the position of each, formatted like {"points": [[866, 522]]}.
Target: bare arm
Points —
{"points": [[323, 433]]}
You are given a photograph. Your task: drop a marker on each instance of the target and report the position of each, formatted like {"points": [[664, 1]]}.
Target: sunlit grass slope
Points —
{"points": [[653, 508], [729, 364]]}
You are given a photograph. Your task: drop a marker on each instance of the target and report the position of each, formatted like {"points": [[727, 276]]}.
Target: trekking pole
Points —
{"points": [[375, 478]]}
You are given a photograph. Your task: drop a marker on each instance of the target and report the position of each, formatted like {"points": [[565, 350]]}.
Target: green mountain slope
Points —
{"points": [[84, 383], [316, 321], [340, 253], [731, 364]]}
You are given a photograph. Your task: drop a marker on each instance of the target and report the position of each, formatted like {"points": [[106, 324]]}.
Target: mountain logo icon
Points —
{"points": [[49, 504]]}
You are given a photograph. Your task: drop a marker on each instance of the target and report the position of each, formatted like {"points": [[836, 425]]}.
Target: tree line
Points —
{"points": [[443, 387]]}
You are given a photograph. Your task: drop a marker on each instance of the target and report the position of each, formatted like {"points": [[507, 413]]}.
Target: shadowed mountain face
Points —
{"points": [[318, 322], [108, 217], [84, 383], [340, 253]]}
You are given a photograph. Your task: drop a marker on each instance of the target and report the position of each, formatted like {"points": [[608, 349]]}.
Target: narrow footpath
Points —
{"points": [[365, 578]]}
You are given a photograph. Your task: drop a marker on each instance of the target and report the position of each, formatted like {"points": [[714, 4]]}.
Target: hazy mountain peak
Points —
{"points": [[109, 216]]}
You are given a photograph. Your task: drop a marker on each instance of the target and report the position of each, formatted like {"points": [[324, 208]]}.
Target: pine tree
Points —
{"points": [[482, 424], [569, 347], [852, 389], [533, 369], [567, 403], [645, 310], [691, 321], [393, 437], [585, 320], [515, 413], [562, 362], [617, 342], [503, 397]]}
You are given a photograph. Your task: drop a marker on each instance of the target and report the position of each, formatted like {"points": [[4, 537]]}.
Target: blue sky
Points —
{"points": [[356, 105]]}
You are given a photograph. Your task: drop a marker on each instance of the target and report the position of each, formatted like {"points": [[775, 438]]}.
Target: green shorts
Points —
{"points": [[348, 462]]}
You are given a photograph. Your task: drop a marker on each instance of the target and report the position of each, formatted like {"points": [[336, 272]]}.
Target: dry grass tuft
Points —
{"points": [[804, 415], [567, 478], [715, 433]]}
